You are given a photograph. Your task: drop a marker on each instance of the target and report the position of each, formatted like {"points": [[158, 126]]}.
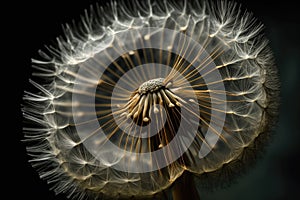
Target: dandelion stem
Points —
{"points": [[184, 188]]}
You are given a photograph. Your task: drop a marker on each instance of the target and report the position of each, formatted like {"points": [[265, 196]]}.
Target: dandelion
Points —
{"points": [[141, 97]]}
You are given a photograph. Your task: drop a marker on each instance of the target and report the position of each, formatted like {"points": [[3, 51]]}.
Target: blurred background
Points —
{"points": [[274, 177]]}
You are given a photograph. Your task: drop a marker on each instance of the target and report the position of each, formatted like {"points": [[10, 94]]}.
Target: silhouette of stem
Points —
{"points": [[184, 188]]}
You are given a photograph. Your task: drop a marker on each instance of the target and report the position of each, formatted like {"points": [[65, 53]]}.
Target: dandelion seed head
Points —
{"points": [[139, 92]]}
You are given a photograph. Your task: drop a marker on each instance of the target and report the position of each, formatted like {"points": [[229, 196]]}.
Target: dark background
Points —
{"points": [[276, 177]]}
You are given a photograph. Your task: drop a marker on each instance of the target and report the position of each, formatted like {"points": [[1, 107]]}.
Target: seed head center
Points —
{"points": [[152, 85], [148, 97]]}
